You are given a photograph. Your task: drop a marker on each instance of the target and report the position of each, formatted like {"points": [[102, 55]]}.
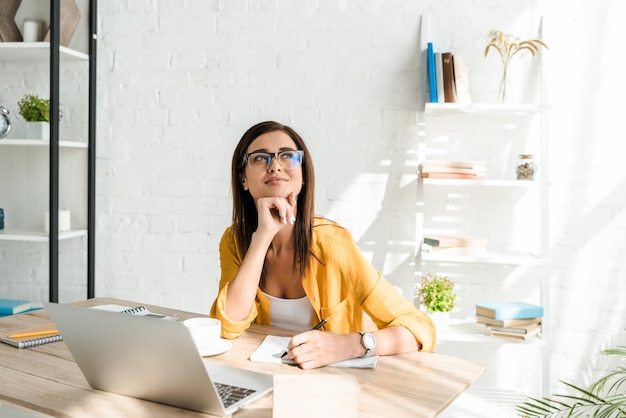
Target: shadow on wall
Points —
{"points": [[383, 173]]}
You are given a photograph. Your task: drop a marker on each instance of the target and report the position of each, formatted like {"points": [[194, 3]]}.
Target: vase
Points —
{"points": [[38, 130], [503, 94]]}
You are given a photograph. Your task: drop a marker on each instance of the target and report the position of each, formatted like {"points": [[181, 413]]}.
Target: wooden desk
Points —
{"points": [[46, 378]]}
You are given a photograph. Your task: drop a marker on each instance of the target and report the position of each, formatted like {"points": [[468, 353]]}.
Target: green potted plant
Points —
{"points": [[606, 397], [36, 113], [437, 296]]}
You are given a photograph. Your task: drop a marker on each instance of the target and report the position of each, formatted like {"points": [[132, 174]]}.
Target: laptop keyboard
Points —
{"points": [[230, 394]]}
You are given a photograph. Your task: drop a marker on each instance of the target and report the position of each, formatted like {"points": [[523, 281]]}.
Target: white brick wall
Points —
{"points": [[180, 81]]}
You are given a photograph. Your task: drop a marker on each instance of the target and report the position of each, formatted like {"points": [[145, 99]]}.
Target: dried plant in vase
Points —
{"points": [[508, 46]]}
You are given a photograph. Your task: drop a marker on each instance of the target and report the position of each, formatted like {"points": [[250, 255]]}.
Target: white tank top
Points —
{"points": [[292, 314]]}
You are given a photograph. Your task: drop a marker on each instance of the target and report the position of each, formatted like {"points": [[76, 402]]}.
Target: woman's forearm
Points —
{"points": [[394, 340], [242, 289]]}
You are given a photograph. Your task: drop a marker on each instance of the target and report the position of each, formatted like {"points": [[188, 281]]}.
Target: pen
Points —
{"points": [[315, 328], [320, 324], [35, 334]]}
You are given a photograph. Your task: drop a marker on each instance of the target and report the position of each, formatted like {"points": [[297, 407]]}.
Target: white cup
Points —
{"points": [[205, 332]]}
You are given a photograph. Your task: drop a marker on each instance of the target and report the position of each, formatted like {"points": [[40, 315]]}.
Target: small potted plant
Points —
{"points": [[437, 295], [36, 113]]}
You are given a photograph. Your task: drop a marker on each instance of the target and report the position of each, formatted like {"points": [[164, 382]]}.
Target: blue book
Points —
{"points": [[13, 306], [432, 73], [35, 308], [509, 310]]}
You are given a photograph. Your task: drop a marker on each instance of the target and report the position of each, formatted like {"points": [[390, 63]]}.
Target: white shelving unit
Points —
{"points": [[48, 175], [26, 153], [511, 214]]}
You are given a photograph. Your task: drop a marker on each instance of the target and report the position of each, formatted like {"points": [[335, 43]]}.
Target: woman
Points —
{"points": [[284, 266]]}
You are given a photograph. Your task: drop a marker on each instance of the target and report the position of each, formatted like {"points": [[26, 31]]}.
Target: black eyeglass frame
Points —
{"points": [[272, 155]]}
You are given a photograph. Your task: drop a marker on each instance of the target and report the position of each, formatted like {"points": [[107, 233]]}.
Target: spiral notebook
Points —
{"points": [[40, 334], [47, 332], [136, 310]]}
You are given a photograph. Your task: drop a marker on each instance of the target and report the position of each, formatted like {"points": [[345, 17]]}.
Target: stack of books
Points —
{"points": [[454, 245], [444, 169], [448, 76], [510, 320], [14, 306]]}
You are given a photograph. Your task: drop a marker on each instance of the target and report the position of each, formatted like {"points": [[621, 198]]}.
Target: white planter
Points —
{"points": [[37, 130], [441, 320]]}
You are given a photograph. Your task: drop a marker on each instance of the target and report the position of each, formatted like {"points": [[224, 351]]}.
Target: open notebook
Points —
{"points": [[272, 348]]}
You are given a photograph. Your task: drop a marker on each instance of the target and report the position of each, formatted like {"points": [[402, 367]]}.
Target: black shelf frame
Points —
{"points": [[53, 240]]}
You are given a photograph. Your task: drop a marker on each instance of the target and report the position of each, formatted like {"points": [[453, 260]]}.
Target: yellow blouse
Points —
{"points": [[340, 284]]}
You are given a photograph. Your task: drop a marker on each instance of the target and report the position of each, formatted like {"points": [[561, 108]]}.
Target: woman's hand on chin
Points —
{"points": [[276, 212]]}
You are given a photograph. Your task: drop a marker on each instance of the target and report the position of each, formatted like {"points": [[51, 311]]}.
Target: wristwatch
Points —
{"points": [[368, 341], [5, 122]]}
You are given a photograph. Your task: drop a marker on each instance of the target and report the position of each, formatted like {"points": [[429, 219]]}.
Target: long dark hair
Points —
{"points": [[245, 217]]}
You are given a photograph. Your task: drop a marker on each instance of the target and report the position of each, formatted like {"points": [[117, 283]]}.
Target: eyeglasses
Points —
{"points": [[289, 159]]}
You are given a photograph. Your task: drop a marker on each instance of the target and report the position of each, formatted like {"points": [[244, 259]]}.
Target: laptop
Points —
{"points": [[152, 359]]}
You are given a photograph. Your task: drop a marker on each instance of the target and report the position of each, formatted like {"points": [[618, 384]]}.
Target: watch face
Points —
{"points": [[369, 341]]}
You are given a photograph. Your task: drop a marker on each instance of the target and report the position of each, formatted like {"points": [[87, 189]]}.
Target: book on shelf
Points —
{"points": [[14, 306], [455, 170], [449, 241], [516, 336], [461, 80], [478, 165], [454, 251], [506, 322], [509, 310], [442, 169], [448, 77], [432, 76], [439, 77], [452, 176], [519, 329]]}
